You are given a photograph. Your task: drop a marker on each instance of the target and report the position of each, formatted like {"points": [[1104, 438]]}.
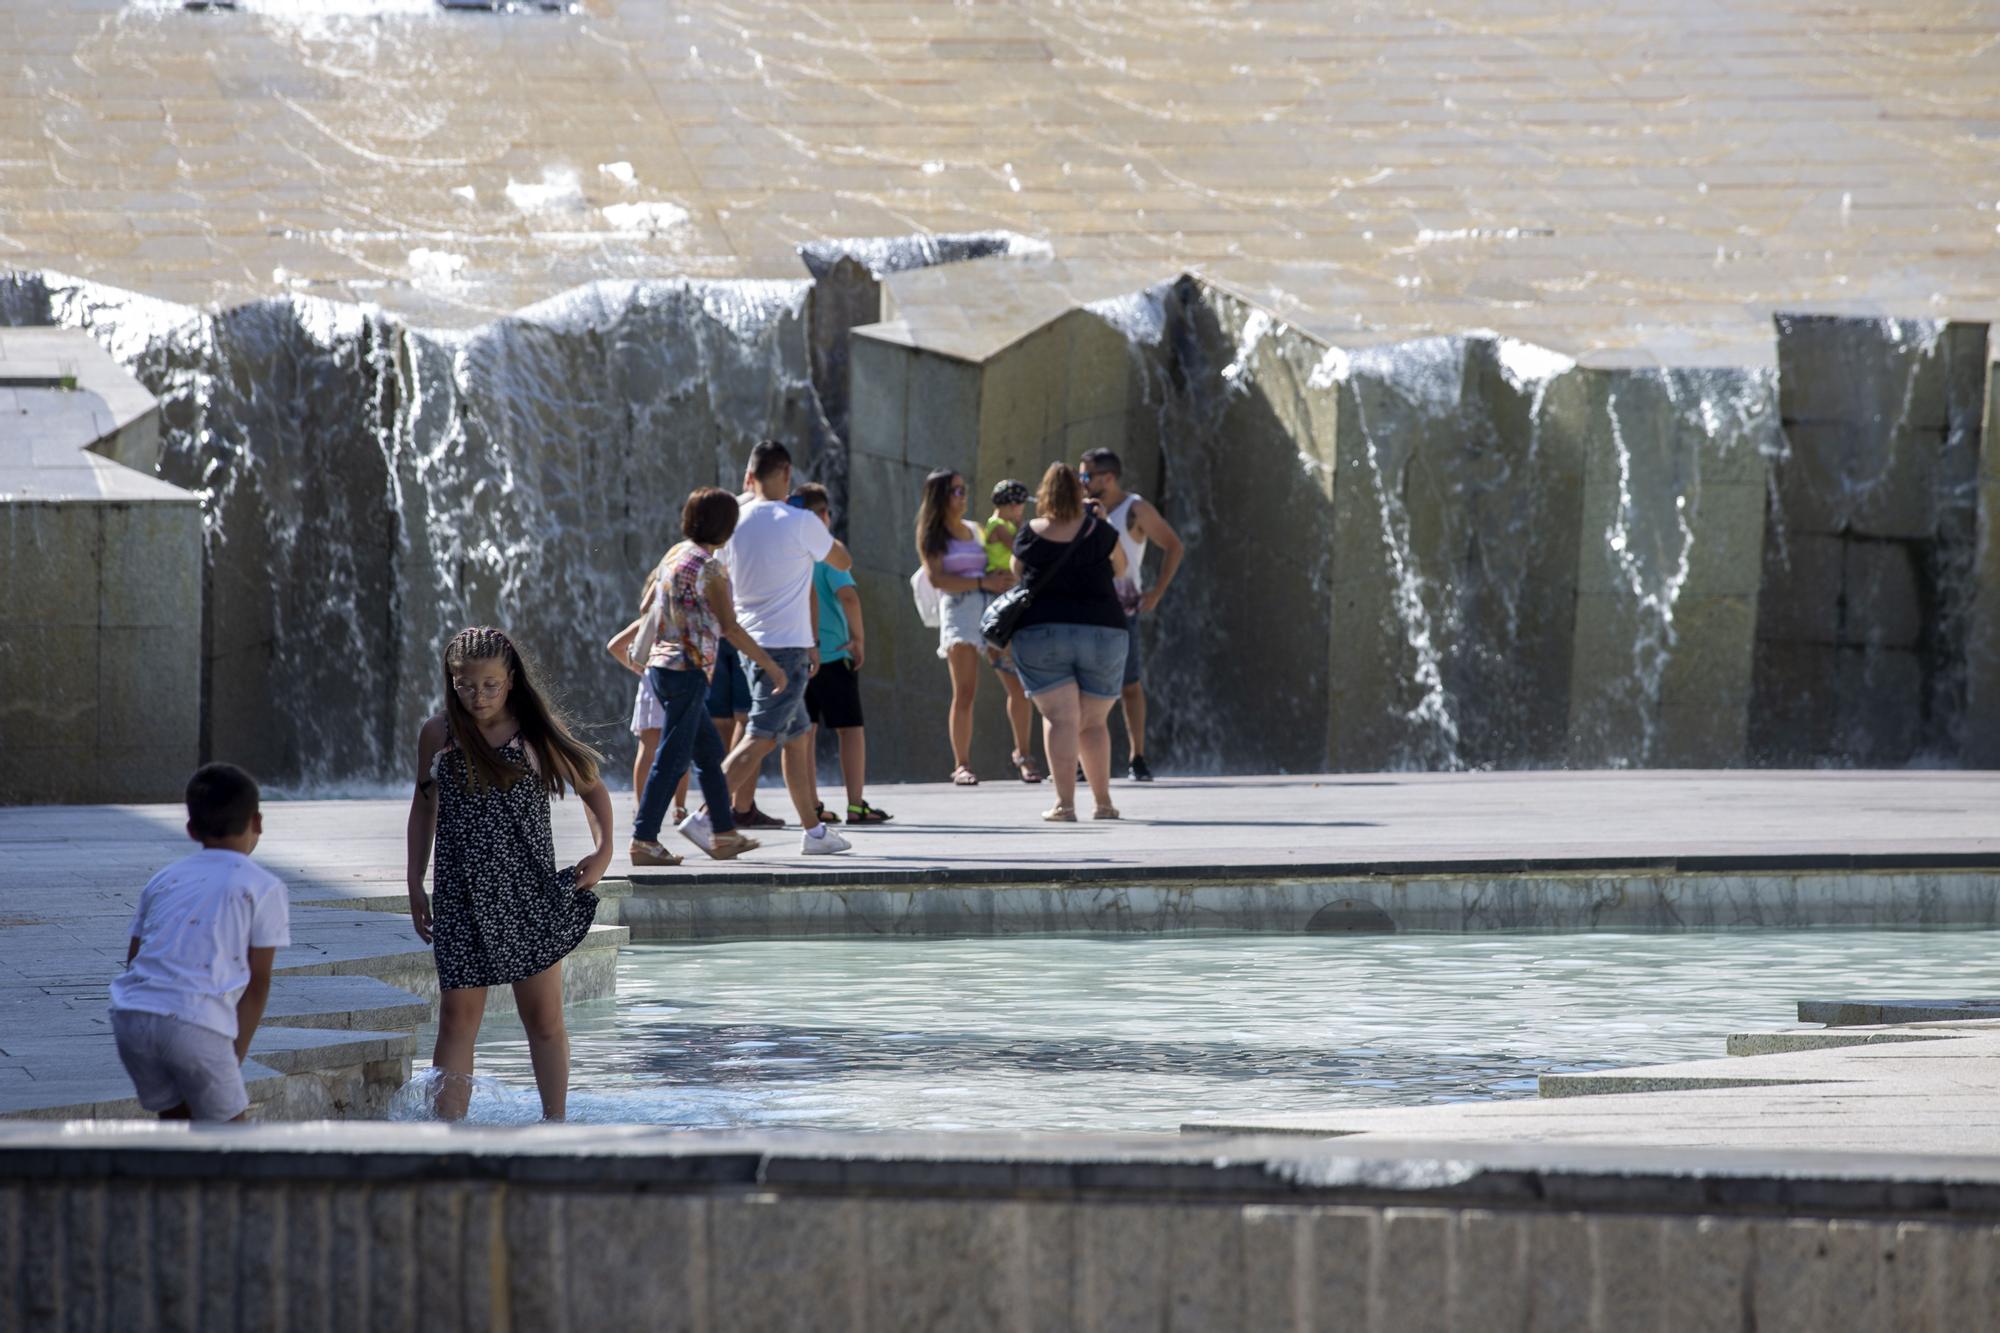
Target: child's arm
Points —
{"points": [[621, 643], [850, 602], [250, 1008], [597, 803], [423, 824]]}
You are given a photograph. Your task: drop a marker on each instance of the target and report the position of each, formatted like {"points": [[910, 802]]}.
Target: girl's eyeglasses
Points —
{"points": [[491, 689]]}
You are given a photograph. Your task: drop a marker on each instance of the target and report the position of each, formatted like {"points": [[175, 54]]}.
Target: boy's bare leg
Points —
{"points": [[740, 769], [800, 780], [743, 791], [180, 1112], [853, 761], [539, 1001], [459, 1013]]}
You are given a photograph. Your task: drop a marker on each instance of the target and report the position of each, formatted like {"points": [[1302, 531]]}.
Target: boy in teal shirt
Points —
{"points": [[833, 695]]}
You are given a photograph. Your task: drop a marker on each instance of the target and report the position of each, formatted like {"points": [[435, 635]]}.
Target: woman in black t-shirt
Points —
{"points": [[1070, 647]]}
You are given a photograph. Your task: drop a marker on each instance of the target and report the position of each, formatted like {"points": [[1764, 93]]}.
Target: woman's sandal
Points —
{"points": [[1060, 814], [1105, 812], [964, 777], [1030, 770]]}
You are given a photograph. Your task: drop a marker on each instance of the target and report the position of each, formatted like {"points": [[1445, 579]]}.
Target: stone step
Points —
{"points": [[1874, 1013], [343, 1002]]}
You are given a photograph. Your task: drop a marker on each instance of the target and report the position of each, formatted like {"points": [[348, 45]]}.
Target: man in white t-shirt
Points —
{"points": [[771, 558], [199, 968]]}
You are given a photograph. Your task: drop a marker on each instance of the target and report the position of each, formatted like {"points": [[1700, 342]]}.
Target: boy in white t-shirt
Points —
{"points": [[199, 969]]}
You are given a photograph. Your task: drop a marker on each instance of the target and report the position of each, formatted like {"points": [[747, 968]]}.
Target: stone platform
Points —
{"points": [[1334, 852]]}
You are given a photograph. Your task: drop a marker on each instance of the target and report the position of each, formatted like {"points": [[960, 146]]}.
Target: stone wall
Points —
{"points": [[1105, 1237], [1869, 560]]}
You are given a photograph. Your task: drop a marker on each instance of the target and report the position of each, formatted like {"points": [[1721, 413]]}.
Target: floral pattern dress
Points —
{"points": [[501, 910]]}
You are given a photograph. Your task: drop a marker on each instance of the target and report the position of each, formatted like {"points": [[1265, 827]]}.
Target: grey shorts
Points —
{"points": [[172, 1061], [779, 715]]}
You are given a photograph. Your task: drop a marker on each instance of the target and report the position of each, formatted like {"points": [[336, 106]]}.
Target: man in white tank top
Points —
{"points": [[1139, 524]]}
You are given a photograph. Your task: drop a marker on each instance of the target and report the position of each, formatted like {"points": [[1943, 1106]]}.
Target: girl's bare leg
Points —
{"points": [[964, 663], [1020, 714], [459, 1014], [540, 1002], [642, 764]]}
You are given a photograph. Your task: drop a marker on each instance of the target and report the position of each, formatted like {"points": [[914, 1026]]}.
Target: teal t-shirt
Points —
{"points": [[827, 583]]}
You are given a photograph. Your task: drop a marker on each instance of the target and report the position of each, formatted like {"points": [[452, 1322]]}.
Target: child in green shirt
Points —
{"points": [[1010, 509]]}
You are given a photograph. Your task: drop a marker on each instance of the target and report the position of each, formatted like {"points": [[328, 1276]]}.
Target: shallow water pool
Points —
{"points": [[1143, 1033]]}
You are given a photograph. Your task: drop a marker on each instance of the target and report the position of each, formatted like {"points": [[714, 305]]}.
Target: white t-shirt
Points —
{"points": [[771, 558], [197, 922]]}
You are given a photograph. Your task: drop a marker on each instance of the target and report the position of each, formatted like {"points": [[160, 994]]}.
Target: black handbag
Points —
{"points": [[1002, 617]]}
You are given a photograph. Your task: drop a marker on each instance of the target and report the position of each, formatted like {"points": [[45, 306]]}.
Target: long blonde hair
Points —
{"points": [[566, 761]]}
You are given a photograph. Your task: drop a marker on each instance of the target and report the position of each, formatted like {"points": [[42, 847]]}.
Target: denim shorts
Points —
{"points": [[779, 715], [729, 687], [1090, 656]]}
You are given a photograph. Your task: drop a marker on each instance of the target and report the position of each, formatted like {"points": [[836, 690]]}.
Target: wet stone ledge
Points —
{"points": [[482, 1229]]}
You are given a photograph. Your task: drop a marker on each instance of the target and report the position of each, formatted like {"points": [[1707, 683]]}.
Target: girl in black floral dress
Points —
{"points": [[502, 913]]}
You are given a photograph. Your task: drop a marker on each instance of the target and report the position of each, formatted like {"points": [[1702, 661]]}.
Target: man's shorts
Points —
{"points": [[833, 696], [1132, 650], [172, 1061], [780, 715], [729, 687]]}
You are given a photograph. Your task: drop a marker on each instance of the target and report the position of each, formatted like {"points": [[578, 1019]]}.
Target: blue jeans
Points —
{"points": [[688, 734], [1090, 656]]}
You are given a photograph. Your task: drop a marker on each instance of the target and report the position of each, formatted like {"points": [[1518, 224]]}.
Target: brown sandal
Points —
{"points": [[964, 777], [1029, 769]]}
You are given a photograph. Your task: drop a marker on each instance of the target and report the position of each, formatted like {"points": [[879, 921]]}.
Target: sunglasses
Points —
{"points": [[958, 490]]}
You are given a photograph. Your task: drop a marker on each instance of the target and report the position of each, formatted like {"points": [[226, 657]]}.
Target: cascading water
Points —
{"points": [[370, 487]]}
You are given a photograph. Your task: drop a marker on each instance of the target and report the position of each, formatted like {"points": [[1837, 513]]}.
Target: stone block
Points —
{"points": [[48, 675], [1727, 554], [1800, 599], [128, 1258], [538, 1270], [1714, 644], [218, 1233], [942, 421], [84, 1277], [1881, 597], [1970, 1280], [1704, 1268], [1053, 1299], [49, 555], [1021, 406], [1561, 1272], [348, 1303], [1860, 1262], [149, 688], [1627, 1266], [878, 403], [658, 1246], [1122, 1268], [150, 572], [39, 1289], [1879, 702], [1839, 475], [176, 1258], [394, 1273], [785, 1263], [1343, 1264], [1793, 714], [882, 499], [959, 1264], [1412, 1271], [1489, 1270], [1277, 1250], [1205, 1267], [1789, 1278], [311, 1273]]}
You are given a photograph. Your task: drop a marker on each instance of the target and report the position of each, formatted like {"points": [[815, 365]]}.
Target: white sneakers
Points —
{"points": [[825, 843], [698, 830]]}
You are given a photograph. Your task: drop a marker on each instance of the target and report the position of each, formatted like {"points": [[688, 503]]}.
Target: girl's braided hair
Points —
{"points": [[565, 760]]}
